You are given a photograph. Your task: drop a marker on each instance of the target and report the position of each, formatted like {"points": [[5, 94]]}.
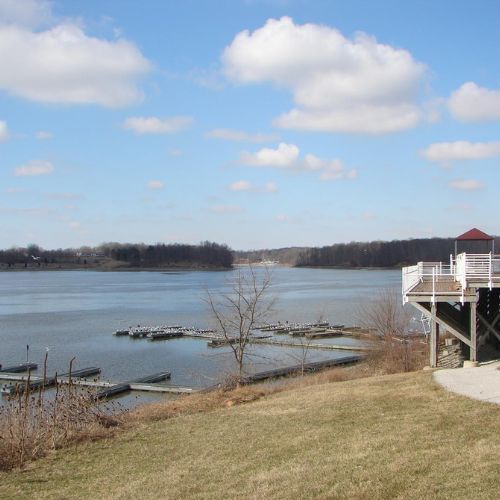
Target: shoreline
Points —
{"points": [[354, 268], [181, 268], [115, 269]]}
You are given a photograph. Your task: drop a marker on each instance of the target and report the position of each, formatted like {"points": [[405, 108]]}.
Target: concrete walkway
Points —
{"points": [[481, 383]]}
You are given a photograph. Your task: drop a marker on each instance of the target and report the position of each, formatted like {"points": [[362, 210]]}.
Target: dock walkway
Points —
{"points": [[306, 367]]}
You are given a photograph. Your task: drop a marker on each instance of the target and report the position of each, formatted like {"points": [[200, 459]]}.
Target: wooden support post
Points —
{"points": [[473, 331], [433, 348]]}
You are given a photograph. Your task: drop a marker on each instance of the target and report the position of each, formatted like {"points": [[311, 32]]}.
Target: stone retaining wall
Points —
{"points": [[450, 356]]}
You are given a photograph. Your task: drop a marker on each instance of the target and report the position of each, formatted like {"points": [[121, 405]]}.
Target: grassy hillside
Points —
{"points": [[381, 437]]}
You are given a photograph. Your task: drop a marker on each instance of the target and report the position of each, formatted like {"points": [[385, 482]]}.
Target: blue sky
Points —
{"points": [[253, 123]]}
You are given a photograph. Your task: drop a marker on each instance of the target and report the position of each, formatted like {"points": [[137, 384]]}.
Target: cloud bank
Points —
{"points": [[62, 64], [338, 84]]}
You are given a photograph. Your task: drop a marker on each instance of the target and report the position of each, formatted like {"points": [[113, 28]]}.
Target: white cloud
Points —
{"points": [[4, 132], [226, 209], [62, 64], [34, 168], [339, 85], [29, 13], [155, 185], [466, 185], [472, 103], [240, 136], [154, 125], [287, 156], [246, 186], [447, 152], [44, 135], [74, 225]]}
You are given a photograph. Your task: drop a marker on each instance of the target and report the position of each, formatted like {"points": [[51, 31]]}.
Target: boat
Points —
{"points": [[165, 334], [121, 332], [266, 263]]}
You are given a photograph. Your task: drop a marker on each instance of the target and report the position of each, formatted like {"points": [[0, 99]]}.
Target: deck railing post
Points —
{"points": [[490, 271], [433, 285]]}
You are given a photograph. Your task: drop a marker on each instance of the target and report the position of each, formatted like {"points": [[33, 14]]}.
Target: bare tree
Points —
{"points": [[397, 347], [304, 344], [239, 311]]}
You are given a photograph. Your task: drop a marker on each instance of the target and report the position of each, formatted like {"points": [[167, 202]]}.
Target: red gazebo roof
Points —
{"points": [[474, 234]]}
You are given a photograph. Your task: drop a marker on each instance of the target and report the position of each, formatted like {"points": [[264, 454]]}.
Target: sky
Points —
{"points": [[254, 123]]}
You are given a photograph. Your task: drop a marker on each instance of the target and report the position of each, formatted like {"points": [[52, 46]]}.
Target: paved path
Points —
{"points": [[481, 383]]}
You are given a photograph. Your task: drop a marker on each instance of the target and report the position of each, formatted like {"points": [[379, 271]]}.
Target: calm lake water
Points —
{"points": [[74, 313]]}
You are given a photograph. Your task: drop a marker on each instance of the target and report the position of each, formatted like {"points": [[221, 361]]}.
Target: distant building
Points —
{"points": [[90, 254]]}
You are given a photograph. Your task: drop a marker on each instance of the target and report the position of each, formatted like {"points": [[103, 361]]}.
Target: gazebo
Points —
{"points": [[474, 241]]}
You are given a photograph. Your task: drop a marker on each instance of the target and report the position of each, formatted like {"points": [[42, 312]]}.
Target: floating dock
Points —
{"points": [[306, 367], [23, 367], [144, 384], [38, 382], [115, 390], [283, 343]]}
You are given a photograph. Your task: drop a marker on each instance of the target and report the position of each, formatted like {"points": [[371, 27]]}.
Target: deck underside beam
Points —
{"points": [[490, 326], [442, 323], [439, 298]]}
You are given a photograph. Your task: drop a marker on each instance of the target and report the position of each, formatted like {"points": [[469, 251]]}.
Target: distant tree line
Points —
{"points": [[206, 254], [380, 253], [35, 254]]}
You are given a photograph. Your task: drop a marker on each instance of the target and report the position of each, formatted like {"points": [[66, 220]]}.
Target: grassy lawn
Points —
{"points": [[396, 436]]}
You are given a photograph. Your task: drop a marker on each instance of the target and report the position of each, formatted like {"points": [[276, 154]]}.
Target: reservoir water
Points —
{"points": [[74, 313]]}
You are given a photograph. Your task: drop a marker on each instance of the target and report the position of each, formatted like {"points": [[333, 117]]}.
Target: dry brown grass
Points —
{"points": [[397, 355], [395, 436], [31, 424], [203, 402]]}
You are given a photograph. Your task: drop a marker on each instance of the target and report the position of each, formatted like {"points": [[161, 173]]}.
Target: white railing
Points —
{"points": [[478, 267], [467, 268], [431, 272]]}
